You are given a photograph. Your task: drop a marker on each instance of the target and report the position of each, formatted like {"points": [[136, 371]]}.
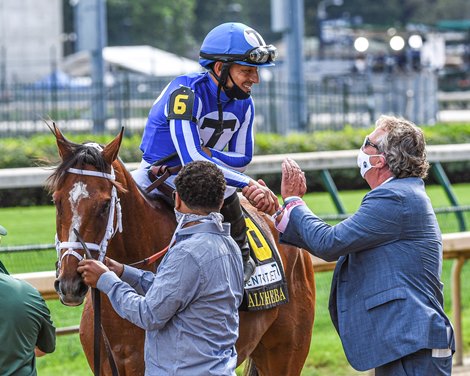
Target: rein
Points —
{"points": [[151, 259], [115, 207], [158, 175], [97, 326]]}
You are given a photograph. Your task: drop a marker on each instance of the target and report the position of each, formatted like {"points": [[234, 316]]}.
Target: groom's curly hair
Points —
{"points": [[201, 186]]}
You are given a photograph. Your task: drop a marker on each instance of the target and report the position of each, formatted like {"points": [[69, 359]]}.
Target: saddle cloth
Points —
{"points": [[267, 287]]}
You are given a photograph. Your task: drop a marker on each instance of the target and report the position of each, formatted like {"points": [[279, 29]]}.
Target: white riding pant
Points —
{"points": [[141, 178]]}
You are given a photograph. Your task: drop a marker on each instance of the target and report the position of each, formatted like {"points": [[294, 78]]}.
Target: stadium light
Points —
{"points": [[361, 44], [397, 43], [415, 41]]}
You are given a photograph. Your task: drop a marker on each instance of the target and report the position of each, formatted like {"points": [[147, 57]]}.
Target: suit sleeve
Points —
{"points": [[378, 221]]}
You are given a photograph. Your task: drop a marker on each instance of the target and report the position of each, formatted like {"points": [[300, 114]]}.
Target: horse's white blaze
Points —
{"points": [[77, 193]]}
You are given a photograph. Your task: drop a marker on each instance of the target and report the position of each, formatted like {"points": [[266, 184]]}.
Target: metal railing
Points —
{"points": [[331, 102]]}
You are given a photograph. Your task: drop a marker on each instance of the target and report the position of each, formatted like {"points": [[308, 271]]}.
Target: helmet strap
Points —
{"points": [[221, 80], [233, 93], [224, 73]]}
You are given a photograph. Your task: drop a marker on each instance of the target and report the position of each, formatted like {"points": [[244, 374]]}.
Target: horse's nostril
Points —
{"points": [[57, 285], [83, 289]]}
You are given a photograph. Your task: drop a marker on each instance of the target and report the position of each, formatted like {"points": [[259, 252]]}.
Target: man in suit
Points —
{"points": [[386, 297]]}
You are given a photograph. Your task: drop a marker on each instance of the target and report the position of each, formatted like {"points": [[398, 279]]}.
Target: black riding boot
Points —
{"points": [[232, 212]]}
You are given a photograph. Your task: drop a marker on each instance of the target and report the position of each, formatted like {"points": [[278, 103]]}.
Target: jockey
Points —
{"points": [[209, 116]]}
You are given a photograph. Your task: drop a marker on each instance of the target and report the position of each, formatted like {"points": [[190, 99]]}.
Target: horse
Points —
{"points": [[95, 196]]}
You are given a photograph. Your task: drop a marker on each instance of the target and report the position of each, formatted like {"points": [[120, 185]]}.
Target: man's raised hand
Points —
{"points": [[293, 179]]}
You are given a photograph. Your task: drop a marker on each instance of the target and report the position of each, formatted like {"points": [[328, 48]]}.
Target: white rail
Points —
{"points": [[29, 177]]}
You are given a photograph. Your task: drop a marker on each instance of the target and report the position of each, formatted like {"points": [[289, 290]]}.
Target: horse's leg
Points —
{"points": [[253, 325], [126, 341], [284, 347]]}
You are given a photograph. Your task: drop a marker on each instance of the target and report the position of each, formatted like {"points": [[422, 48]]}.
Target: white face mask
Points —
{"points": [[363, 161], [183, 218], [179, 216]]}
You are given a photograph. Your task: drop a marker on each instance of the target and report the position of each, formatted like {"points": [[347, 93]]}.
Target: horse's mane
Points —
{"points": [[83, 154], [80, 156]]}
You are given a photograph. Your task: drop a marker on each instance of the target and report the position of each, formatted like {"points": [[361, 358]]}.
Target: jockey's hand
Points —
{"points": [[91, 271], [261, 197], [253, 193], [114, 266], [272, 203], [293, 179]]}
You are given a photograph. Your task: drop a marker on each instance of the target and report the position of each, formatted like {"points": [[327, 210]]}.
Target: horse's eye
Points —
{"points": [[105, 208], [58, 206]]}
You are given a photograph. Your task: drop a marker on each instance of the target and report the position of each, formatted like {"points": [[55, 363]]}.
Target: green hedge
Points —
{"points": [[29, 151], [352, 138], [35, 150]]}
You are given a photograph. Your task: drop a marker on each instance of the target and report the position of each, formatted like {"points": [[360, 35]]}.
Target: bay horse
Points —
{"points": [[96, 195]]}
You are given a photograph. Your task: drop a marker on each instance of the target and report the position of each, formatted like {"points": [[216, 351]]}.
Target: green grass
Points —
{"points": [[36, 225]]}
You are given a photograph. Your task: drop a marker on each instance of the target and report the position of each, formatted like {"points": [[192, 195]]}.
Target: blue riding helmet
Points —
{"points": [[234, 42]]}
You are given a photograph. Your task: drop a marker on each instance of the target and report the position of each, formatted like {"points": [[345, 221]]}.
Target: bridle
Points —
{"points": [[111, 230], [70, 246], [115, 206]]}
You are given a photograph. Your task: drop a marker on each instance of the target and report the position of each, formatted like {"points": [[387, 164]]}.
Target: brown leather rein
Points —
{"points": [[158, 174], [151, 259], [97, 326]]}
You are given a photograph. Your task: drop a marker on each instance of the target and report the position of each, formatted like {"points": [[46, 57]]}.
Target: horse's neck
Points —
{"points": [[147, 228]]}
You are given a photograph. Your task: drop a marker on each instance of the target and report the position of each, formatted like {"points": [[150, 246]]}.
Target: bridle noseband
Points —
{"points": [[110, 230]]}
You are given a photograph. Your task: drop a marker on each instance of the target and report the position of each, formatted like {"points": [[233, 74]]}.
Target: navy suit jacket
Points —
{"points": [[386, 296]]}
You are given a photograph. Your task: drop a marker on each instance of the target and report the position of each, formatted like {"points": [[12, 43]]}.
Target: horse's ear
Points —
{"points": [[111, 150], [64, 145]]}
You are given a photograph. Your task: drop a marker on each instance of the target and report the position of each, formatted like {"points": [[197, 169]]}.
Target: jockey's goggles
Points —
{"points": [[258, 55]]}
